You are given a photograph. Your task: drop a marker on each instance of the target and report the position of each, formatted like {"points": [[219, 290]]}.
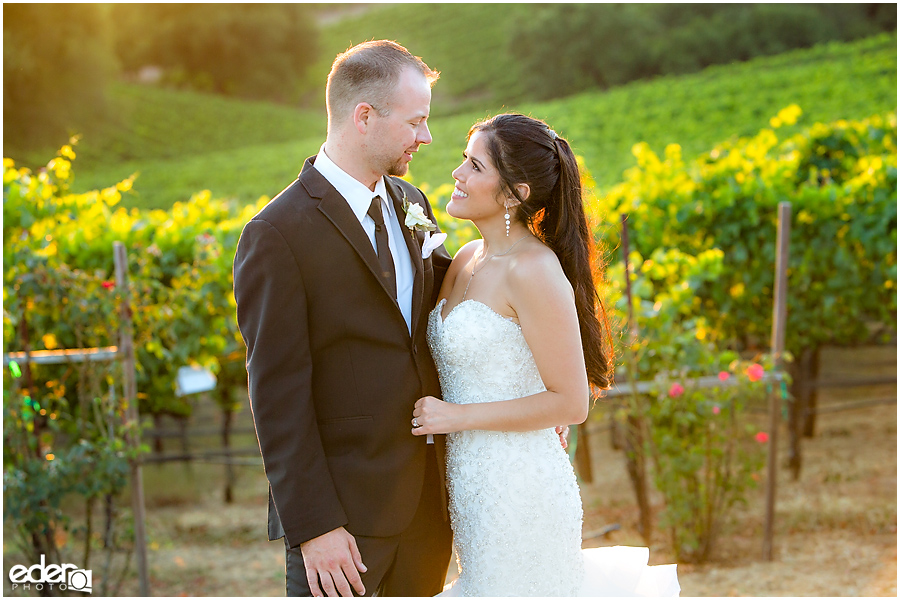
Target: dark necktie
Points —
{"points": [[381, 246]]}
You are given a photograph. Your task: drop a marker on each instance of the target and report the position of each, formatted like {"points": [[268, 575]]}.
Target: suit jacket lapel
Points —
{"points": [[336, 209], [414, 244]]}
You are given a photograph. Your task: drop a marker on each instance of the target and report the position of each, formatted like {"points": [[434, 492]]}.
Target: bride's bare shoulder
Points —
{"points": [[465, 253], [462, 257], [536, 271]]}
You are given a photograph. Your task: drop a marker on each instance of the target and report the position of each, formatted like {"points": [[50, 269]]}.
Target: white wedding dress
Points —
{"points": [[515, 507]]}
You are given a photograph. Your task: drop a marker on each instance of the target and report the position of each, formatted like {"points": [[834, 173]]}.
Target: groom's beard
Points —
{"points": [[392, 165], [398, 169]]}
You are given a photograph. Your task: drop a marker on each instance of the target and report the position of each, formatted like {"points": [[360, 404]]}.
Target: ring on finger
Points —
{"points": [[416, 422]]}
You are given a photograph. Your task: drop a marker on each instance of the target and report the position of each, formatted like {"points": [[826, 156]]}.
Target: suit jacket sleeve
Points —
{"points": [[272, 316]]}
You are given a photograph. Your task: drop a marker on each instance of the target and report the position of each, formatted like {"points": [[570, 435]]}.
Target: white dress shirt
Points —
{"points": [[359, 197]]}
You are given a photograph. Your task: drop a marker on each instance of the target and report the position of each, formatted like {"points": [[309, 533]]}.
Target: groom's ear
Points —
{"points": [[361, 115]]}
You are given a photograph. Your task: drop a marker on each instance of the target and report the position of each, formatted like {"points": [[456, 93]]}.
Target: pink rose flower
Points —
{"points": [[716, 410], [676, 390], [762, 437], [755, 372], [724, 375]]}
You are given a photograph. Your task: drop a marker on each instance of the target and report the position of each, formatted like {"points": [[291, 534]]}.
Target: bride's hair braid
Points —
{"points": [[526, 150]]}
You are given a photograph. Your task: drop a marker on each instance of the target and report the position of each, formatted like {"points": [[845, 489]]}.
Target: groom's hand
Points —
{"points": [[334, 560], [563, 433]]}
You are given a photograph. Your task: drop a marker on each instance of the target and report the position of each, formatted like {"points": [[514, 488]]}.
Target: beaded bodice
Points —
{"points": [[488, 349]]}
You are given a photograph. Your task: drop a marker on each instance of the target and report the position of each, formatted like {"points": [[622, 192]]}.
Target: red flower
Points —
{"points": [[716, 410], [676, 390], [109, 284], [724, 375], [755, 372], [762, 437]]}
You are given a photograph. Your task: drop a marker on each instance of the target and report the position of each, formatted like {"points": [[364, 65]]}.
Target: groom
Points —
{"points": [[333, 293]]}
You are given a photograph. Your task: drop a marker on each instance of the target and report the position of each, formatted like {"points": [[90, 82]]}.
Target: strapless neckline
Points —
{"points": [[442, 319]]}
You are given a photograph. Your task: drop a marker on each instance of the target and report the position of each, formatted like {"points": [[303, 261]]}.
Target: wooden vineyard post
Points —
{"points": [[779, 322], [583, 453], [129, 382], [227, 420], [802, 408], [811, 399]]}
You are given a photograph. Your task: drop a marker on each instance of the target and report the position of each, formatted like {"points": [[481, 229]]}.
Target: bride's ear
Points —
{"points": [[524, 191], [512, 201]]}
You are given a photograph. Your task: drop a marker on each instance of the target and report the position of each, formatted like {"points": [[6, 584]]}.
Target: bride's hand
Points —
{"points": [[432, 415]]}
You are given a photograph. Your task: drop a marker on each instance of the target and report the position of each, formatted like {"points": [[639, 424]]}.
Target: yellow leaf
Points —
{"points": [[49, 341], [789, 115]]}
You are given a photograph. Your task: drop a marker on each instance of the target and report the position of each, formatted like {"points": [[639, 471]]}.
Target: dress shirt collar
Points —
{"points": [[358, 196]]}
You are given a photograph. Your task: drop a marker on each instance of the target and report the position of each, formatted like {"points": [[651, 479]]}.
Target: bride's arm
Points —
{"points": [[544, 303]]}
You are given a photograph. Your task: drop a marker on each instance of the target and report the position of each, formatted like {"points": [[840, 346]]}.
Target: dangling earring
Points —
{"points": [[506, 216]]}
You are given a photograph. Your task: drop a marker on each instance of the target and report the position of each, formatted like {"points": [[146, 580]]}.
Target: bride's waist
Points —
{"points": [[529, 454], [475, 440]]}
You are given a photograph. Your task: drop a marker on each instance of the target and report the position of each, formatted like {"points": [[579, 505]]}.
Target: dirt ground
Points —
{"points": [[835, 531], [835, 527]]}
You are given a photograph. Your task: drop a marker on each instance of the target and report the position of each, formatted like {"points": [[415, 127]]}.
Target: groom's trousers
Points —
{"points": [[413, 563]]}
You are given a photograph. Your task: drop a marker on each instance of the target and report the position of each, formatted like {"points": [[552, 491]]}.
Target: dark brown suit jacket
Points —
{"points": [[333, 371]]}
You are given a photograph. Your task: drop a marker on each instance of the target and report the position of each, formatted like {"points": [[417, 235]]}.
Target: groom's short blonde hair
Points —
{"points": [[369, 72]]}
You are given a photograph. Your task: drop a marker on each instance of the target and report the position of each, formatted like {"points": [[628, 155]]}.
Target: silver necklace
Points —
{"points": [[475, 268]]}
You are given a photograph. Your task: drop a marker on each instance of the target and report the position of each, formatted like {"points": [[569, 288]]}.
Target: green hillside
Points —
{"points": [[832, 81], [512, 52], [467, 43], [163, 123]]}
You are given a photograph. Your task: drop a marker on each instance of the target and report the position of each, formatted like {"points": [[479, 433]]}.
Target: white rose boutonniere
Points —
{"points": [[417, 221], [415, 216]]}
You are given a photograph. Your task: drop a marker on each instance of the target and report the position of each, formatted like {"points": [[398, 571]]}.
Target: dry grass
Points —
{"points": [[835, 530]]}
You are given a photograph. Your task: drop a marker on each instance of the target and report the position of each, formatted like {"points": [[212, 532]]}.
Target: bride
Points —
{"points": [[517, 341]]}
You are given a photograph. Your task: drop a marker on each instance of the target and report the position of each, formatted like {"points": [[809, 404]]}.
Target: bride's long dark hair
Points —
{"points": [[526, 150]]}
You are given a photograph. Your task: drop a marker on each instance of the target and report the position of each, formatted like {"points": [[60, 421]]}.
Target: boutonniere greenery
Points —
{"points": [[415, 216]]}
